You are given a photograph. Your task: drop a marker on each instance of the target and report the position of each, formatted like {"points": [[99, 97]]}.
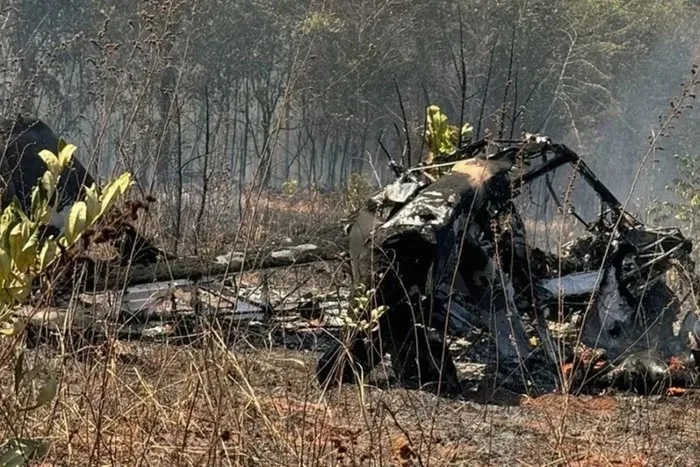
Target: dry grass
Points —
{"points": [[151, 404], [253, 219]]}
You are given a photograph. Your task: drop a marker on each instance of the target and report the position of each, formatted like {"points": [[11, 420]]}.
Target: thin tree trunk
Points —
{"points": [[234, 131], [333, 166], [244, 149], [205, 170], [344, 162], [324, 146], [178, 194], [312, 161]]}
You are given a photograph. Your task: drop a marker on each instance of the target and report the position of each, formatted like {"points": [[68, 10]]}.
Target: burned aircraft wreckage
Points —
{"points": [[443, 255]]}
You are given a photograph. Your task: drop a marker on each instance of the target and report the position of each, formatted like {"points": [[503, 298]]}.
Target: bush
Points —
{"points": [[27, 253]]}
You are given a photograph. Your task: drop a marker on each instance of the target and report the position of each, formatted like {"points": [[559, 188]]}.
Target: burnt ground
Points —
{"points": [[199, 404]]}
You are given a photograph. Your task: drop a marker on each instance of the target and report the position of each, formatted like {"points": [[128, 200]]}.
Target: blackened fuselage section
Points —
{"points": [[23, 140]]}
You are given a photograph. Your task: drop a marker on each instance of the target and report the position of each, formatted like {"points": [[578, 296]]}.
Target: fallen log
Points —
{"points": [[103, 276]]}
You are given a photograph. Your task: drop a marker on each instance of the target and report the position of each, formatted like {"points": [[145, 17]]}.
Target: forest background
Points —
{"points": [[211, 104]]}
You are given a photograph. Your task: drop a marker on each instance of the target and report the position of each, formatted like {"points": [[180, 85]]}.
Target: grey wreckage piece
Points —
{"points": [[449, 254]]}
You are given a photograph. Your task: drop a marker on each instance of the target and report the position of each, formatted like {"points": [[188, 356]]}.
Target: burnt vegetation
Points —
{"points": [[359, 233]]}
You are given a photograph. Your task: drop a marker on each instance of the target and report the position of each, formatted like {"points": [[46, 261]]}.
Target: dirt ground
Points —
{"points": [[157, 404]]}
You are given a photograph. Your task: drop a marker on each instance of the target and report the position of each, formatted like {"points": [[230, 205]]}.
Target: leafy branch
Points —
{"points": [[27, 252]]}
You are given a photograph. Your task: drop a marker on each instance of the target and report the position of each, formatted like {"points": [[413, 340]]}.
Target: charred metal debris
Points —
{"points": [[443, 254]]}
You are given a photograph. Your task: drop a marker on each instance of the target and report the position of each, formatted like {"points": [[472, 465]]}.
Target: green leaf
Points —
{"points": [[48, 182], [93, 203], [467, 130], [5, 265], [19, 371], [113, 191], [19, 212], [27, 256], [16, 292], [37, 203], [377, 313], [65, 156], [76, 222], [18, 236], [46, 395], [51, 161], [48, 253], [19, 451], [8, 221], [5, 220], [441, 136]]}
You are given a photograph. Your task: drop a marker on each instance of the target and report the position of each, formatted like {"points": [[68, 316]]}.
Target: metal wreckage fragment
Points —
{"points": [[448, 254]]}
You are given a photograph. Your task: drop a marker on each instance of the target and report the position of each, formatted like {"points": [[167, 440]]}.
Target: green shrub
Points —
{"points": [[25, 255]]}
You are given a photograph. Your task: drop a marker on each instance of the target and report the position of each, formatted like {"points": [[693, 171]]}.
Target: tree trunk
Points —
{"points": [[179, 187], [205, 172]]}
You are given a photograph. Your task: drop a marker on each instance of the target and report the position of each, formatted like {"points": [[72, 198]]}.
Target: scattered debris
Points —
{"points": [[183, 311]]}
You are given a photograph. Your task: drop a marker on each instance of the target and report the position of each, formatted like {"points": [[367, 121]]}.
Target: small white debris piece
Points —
{"points": [[58, 219], [400, 192], [243, 306], [291, 252], [282, 254], [228, 257], [145, 296], [156, 331], [572, 284], [432, 203]]}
